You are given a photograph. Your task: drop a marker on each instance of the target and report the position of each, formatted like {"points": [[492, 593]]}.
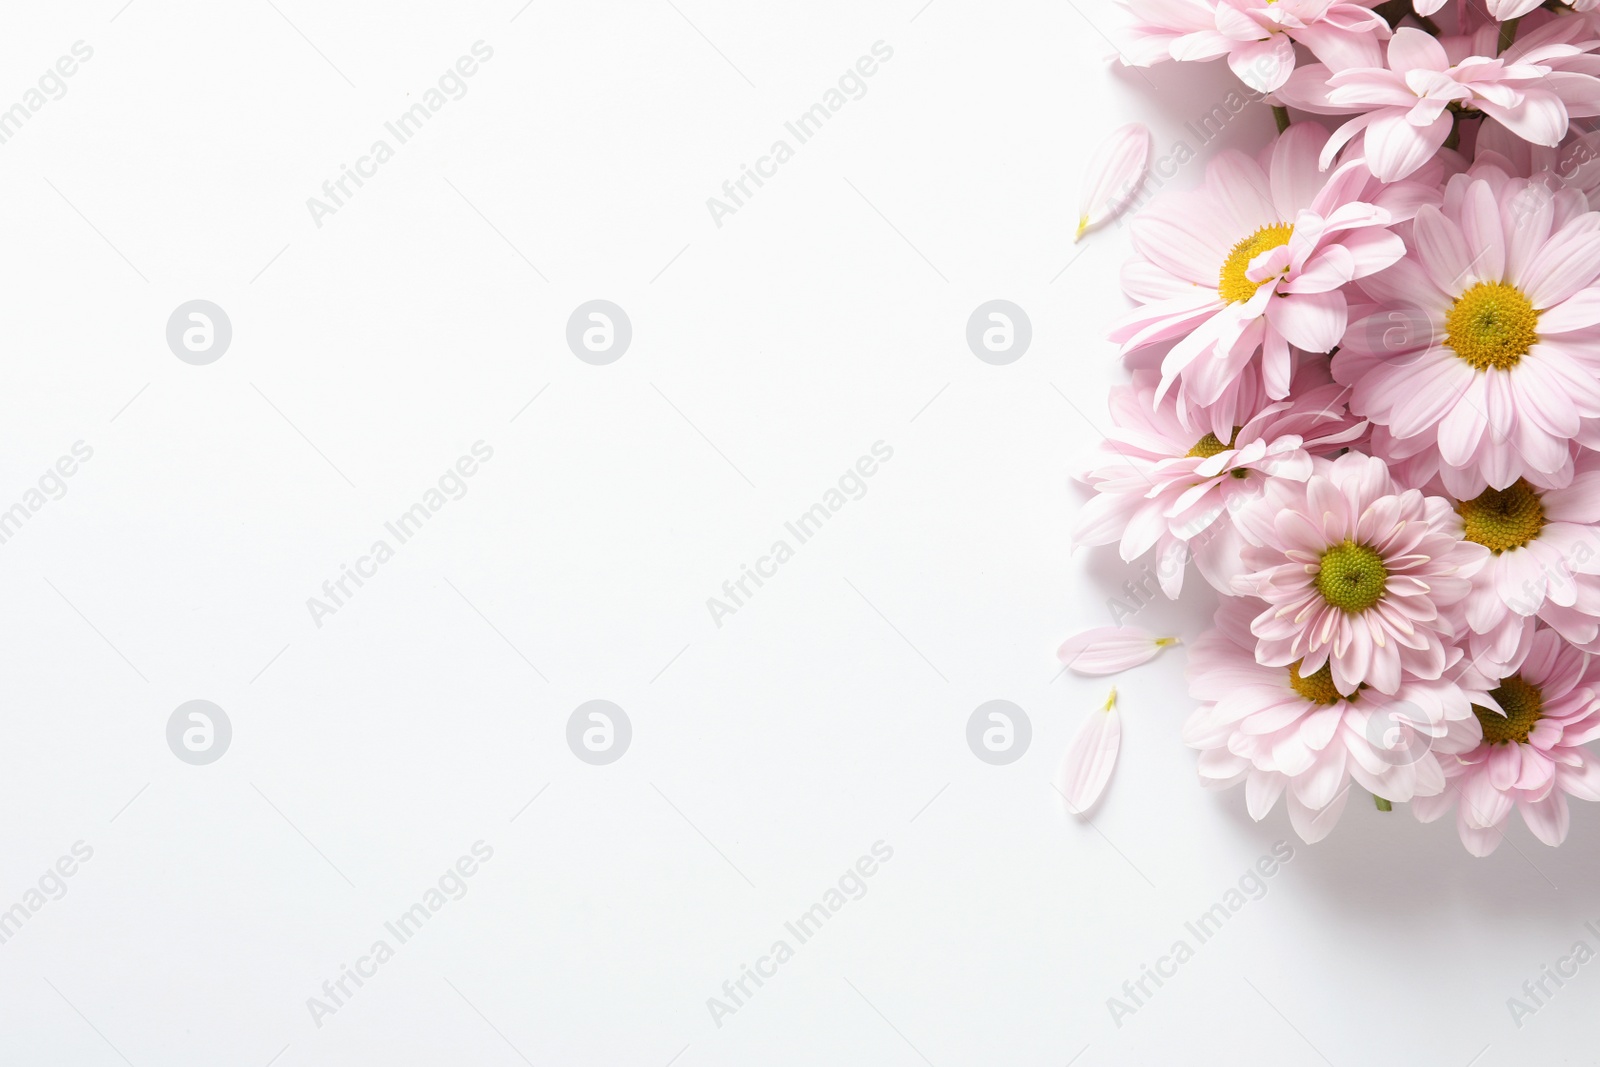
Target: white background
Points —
{"points": [[768, 754]]}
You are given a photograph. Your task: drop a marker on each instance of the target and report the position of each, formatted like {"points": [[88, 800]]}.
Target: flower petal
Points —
{"points": [[1548, 818], [1395, 148], [1110, 649], [1312, 824], [1114, 175], [1088, 762]]}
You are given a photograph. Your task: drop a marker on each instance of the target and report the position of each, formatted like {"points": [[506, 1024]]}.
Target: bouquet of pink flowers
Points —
{"points": [[1365, 408]]}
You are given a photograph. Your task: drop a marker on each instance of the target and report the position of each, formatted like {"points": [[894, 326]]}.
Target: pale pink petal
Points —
{"points": [[1263, 65], [1241, 192], [1115, 172], [1579, 502], [1110, 649], [1480, 841], [1567, 263], [1261, 791], [1576, 312], [1462, 428], [1312, 824], [1583, 780], [1410, 48], [1548, 818], [1311, 321], [1088, 762], [1293, 173], [1485, 240], [1442, 250], [1505, 10], [1427, 809], [1541, 118], [1395, 148], [1198, 47], [1525, 219]]}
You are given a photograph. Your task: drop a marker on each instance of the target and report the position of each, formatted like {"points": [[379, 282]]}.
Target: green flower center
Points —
{"points": [[1351, 577], [1501, 519], [1491, 325], [1524, 706], [1233, 285], [1317, 686]]}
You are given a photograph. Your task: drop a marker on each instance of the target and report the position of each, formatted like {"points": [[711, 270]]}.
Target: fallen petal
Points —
{"points": [[1113, 176], [1086, 767], [1111, 649]]}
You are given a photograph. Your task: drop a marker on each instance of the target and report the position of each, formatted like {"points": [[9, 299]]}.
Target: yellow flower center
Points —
{"points": [[1501, 519], [1317, 686], [1491, 325], [1210, 445], [1233, 286], [1524, 706], [1351, 577]]}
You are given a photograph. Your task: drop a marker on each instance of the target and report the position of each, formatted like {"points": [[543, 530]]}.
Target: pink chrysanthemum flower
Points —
{"points": [[1498, 362], [1256, 259], [1171, 479], [1404, 106], [1541, 551], [1530, 755], [1284, 733], [1257, 36], [1356, 573]]}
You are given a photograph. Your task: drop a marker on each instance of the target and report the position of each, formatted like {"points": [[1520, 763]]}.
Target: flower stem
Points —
{"points": [[1282, 115], [1508, 32], [1453, 139], [1383, 805]]}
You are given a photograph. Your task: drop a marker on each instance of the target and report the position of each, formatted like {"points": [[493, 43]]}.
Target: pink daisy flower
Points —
{"points": [[1171, 478], [1403, 107], [1356, 573], [1502, 368], [1530, 755], [1541, 551], [1257, 36], [1256, 259], [1284, 733]]}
